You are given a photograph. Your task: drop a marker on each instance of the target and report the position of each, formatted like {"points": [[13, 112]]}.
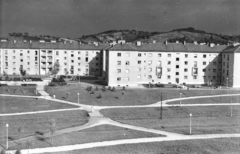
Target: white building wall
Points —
{"points": [[236, 70]]}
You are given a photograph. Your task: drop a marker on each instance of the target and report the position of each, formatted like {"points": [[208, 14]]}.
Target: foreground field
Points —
{"points": [[210, 146], [19, 90], [95, 134], [31, 125], [14, 105], [130, 96], [205, 120]]}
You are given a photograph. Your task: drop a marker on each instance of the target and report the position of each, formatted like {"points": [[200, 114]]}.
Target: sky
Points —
{"points": [[74, 18]]}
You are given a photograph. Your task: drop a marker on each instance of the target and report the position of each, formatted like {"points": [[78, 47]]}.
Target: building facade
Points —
{"points": [[38, 58]]}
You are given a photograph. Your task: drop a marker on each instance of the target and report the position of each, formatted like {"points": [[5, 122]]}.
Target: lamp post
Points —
{"points": [[231, 108], [227, 82], [180, 99], [78, 97], [7, 136], [190, 131]]}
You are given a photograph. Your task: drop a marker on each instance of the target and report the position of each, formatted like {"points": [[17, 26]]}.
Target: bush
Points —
{"points": [[18, 151], [24, 84], [3, 151], [3, 85], [52, 84]]}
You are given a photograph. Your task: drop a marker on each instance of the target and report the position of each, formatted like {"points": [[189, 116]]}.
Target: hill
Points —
{"points": [[184, 34]]}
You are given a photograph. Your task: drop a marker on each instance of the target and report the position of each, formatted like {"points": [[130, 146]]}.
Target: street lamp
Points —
{"points": [[190, 115], [161, 107], [78, 97], [227, 82], [231, 108], [7, 136], [180, 99]]}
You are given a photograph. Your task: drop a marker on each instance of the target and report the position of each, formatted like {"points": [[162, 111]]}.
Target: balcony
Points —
{"points": [[194, 71], [43, 60], [43, 55], [49, 60], [43, 66]]}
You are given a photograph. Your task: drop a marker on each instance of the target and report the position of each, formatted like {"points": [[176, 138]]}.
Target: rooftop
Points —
{"points": [[170, 47], [230, 49], [51, 45]]}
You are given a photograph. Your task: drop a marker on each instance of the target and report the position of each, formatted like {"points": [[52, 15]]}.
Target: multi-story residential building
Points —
{"points": [[231, 66], [189, 63], [38, 58], [126, 64]]}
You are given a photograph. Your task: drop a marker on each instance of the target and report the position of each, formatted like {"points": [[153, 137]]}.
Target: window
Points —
{"points": [[65, 58], [79, 52], [28, 57], [28, 63], [127, 70], [214, 70], [169, 69], [21, 54], [79, 64], [177, 73], [185, 70], [150, 62], [79, 58], [119, 62], [150, 54], [21, 60], [119, 70], [139, 62], [65, 52], [149, 76], [204, 56], [139, 77], [214, 63], [194, 77], [72, 55], [127, 78], [204, 70], [72, 61], [159, 63], [169, 62], [118, 79], [177, 59], [168, 77], [204, 63], [159, 55], [79, 69], [150, 69], [186, 63], [14, 57], [214, 77], [119, 54], [195, 64], [127, 62], [169, 55], [186, 55], [139, 69], [65, 64], [139, 54], [127, 55], [185, 77], [195, 55], [86, 59], [177, 66]]}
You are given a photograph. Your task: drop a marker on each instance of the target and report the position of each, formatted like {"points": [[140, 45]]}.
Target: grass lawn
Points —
{"points": [[95, 134], [18, 90], [31, 124], [14, 105], [228, 99], [210, 146], [130, 97], [205, 120]]}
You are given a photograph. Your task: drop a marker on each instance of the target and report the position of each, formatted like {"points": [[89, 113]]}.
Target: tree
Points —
{"points": [[5, 75], [22, 71], [66, 72], [52, 128], [18, 151], [20, 131], [56, 68]]}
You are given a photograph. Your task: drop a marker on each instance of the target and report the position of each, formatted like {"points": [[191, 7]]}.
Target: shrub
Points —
{"points": [[3, 151], [18, 151]]}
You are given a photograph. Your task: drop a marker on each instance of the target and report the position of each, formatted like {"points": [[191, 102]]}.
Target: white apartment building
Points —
{"points": [[189, 63], [38, 58]]}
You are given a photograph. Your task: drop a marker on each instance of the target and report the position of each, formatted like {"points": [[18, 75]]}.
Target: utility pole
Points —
{"points": [[161, 107]]}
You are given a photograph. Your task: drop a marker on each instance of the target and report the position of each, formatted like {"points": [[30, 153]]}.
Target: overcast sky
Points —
{"points": [[73, 18]]}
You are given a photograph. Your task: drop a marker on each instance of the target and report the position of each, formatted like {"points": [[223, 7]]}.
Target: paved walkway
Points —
{"points": [[96, 118]]}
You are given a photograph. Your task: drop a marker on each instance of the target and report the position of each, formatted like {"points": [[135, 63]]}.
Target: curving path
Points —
{"points": [[96, 119]]}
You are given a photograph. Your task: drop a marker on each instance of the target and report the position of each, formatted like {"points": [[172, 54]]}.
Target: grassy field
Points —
{"points": [[210, 146], [18, 90], [130, 97], [31, 124], [220, 99], [95, 134], [205, 120], [14, 105]]}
